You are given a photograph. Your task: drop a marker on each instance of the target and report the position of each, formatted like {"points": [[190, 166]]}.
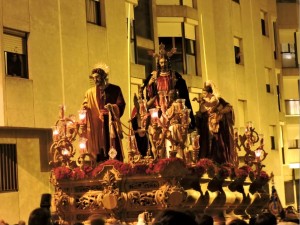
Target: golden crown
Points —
{"points": [[162, 52]]}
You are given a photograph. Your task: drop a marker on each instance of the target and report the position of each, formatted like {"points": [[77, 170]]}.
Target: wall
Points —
{"points": [[62, 50], [33, 172]]}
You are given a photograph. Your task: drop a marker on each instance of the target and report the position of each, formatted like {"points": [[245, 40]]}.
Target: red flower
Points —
{"points": [[62, 172], [199, 170], [81, 173], [139, 169], [163, 164], [223, 172], [149, 170], [78, 173], [263, 176], [240, 173], [246, 168], [208, 165], [123, 168]]}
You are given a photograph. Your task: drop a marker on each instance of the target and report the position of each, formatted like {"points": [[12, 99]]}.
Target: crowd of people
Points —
{"points": [[42, 216]]}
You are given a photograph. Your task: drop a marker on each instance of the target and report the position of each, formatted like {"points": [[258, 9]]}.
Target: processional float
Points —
{"points": [[169, 176]]}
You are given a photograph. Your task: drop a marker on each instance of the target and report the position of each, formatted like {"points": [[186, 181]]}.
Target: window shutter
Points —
{"points": [[13, 44]]}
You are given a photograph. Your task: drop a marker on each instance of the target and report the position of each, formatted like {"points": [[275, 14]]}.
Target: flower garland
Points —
{"points": [[167, 167]]}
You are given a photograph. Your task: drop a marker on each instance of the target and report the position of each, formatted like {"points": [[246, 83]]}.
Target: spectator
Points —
{"points": [[206, 220], [40, 216], [266, 219], [22, 222], [96, 219], [173, 217], [237, 222], [2, 222]]}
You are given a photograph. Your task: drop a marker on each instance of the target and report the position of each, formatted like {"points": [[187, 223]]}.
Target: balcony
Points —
{"points": [[292, 107]]}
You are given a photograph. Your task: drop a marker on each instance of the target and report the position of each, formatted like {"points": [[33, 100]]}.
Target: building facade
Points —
{"points": [[48, 49]]}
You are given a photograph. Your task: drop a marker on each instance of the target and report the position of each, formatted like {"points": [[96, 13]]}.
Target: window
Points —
{"points": [[95, 12], [184, 60], [188, 3], [242, 113], [288, 55], [286, 1], [15, 53], [292, 107], [143, 58], [8, 168], [190, 56], [142, 15], [264, 23], [294, 144], [133, 49], [238, 50], [272, 131], [278, 90], [182, 36], [289, 192], [275, 46], [268, 80]]}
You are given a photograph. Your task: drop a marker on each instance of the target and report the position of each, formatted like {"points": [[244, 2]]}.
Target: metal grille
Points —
{"points": [[8, 168]]}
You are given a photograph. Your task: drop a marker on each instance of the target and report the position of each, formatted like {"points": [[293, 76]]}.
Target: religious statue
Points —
{"points": [[105, 105]]}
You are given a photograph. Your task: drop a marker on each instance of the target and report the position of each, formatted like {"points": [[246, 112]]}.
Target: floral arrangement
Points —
{"points": [[172, 167], [224, 171], [123, 168], [62, 172], [205, 166], [81, 172], [262, 176], [163, 165], [241, 173], [258, 181], [139, 169]]}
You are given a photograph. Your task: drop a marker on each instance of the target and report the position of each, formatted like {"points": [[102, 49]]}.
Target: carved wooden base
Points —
{"points": [[124, 197]]}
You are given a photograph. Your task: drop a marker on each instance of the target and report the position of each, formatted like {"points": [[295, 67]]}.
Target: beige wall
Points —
{"points": [[33, 176], [288, 15], [62, 50]]}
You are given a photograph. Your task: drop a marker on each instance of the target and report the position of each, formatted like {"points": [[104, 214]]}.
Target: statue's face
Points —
{"points": [[204, 94], [101, 79], [163, 64]]}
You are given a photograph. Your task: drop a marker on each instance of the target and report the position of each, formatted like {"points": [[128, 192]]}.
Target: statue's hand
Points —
{"points": [[151, 101], [108, 106], [153, 78]]}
